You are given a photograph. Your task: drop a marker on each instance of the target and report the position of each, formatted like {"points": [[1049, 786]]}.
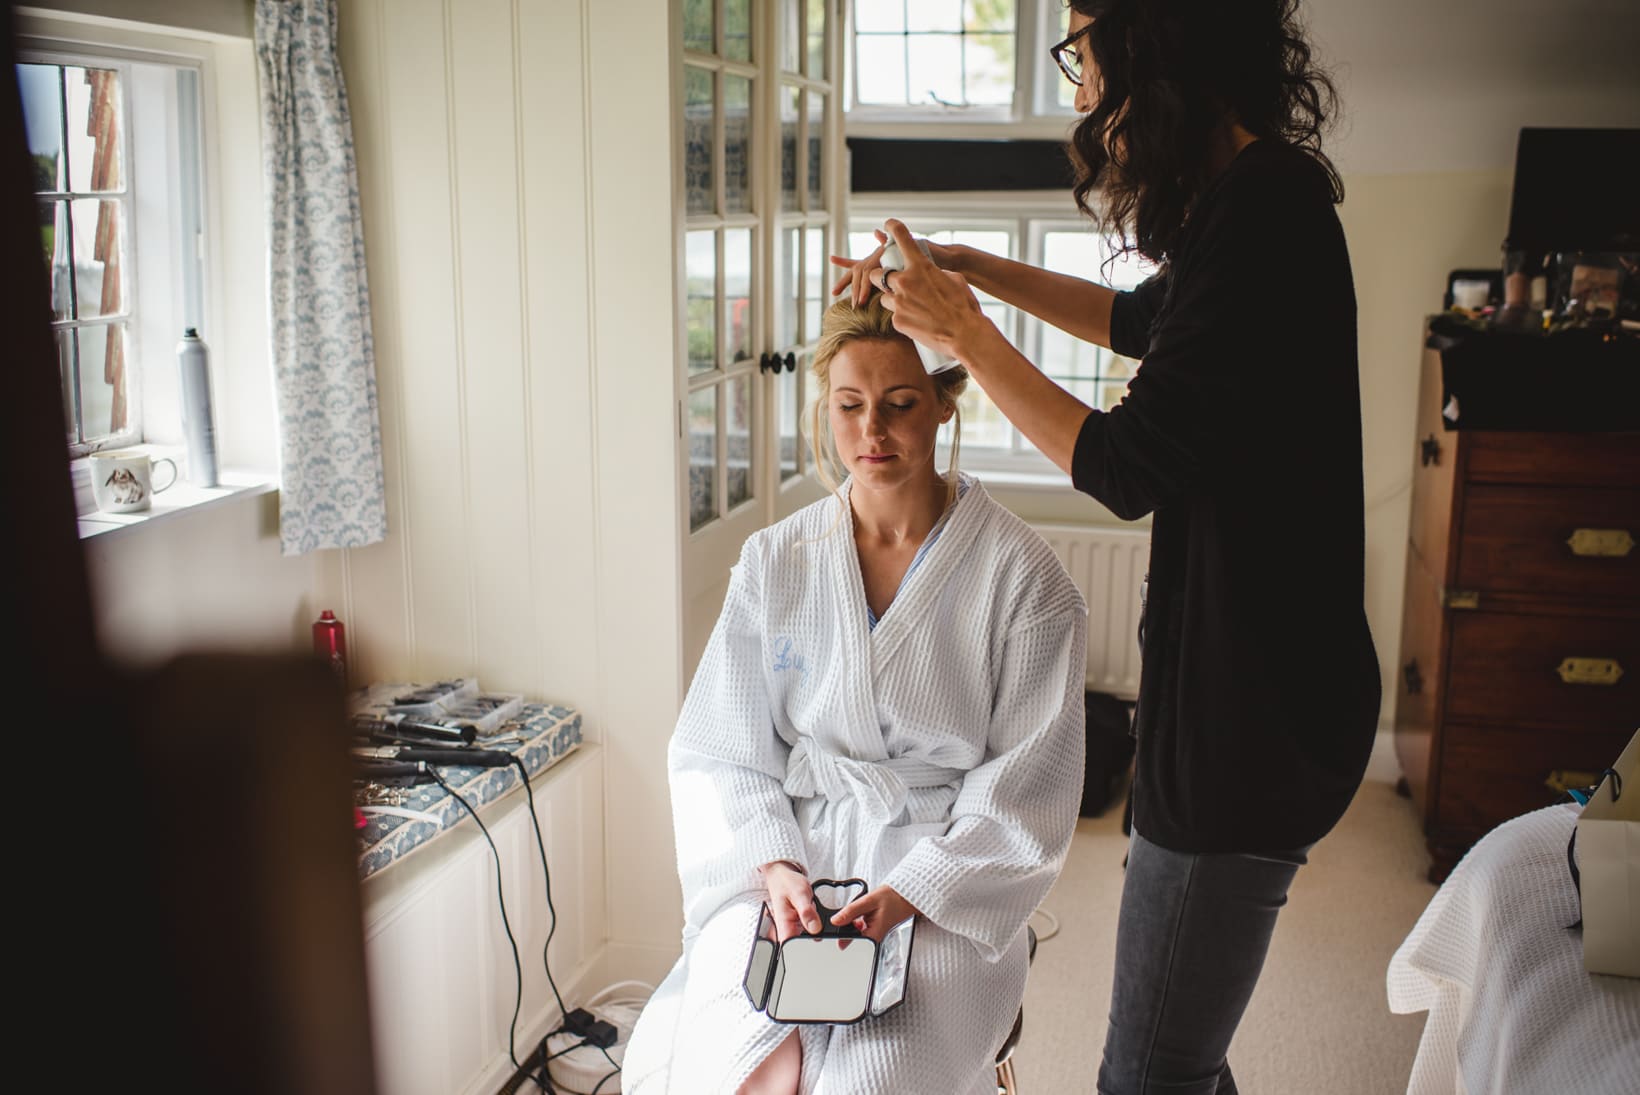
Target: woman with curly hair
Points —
{"points": [[1240, 435]]}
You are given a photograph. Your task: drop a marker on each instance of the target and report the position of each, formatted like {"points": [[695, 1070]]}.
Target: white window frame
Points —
{"points": [[1035, 111], [189, 286], [126, 198]]}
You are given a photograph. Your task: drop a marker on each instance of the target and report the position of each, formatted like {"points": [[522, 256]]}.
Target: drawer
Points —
{"points": [[1503, 668], [1583, 459], [1550, 540], [1490, 774]]}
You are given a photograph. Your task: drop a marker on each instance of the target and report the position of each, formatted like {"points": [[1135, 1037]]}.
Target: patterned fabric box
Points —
{"points": [[550, 733]]}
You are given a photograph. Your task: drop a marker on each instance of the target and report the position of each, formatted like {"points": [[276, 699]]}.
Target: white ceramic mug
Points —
{"points": [[123, 481]]}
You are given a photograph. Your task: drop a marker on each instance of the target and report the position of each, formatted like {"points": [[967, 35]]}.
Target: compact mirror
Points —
{"points": [[837, 976]]}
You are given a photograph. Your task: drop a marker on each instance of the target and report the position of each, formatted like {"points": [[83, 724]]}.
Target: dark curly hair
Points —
{"points": [[1168, 73]]}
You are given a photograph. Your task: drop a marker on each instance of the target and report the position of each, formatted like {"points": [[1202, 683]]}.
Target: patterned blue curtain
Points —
{"points": [[331, 493]]}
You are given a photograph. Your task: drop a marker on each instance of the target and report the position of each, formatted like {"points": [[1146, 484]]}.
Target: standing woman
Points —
{"points": [[1241, 434]]}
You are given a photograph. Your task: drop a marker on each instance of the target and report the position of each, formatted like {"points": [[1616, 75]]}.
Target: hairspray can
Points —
{"points": [[330, 643], [198, 423]]}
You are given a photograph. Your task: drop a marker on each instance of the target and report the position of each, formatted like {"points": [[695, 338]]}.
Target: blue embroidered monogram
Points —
{"points": [[785, 660]]}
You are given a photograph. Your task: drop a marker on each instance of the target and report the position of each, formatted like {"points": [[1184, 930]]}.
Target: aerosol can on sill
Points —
{"points": [[198, 420]]}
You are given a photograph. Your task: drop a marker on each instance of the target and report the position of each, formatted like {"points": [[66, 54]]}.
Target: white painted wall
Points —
{"points": [[517, 203]]}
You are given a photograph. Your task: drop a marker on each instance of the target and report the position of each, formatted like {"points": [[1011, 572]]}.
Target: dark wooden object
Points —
{"points": [[1520, 648]]}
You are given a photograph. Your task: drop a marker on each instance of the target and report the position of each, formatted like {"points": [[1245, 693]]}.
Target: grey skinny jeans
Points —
{"points": [[1190, 943]]}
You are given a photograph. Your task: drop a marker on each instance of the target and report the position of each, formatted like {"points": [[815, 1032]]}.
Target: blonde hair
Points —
{"points": [[843, 324]]}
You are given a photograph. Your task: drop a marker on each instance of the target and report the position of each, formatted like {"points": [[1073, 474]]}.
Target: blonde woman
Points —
{"points": [[893, 692]]}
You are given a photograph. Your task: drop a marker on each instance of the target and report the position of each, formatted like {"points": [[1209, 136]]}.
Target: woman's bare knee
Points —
{"points": [[780, 1071]]}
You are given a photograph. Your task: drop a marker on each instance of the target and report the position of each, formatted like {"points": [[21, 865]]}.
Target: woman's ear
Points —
{"points": [[946, 411]]}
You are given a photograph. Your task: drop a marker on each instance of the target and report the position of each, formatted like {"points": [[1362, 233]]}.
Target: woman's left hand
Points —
{"points": [[876, 912], [936, 307]]}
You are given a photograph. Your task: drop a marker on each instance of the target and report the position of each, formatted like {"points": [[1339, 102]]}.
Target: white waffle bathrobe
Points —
{"points": [[940, 754]]}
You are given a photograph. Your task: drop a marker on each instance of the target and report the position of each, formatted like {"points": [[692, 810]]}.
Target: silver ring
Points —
{"points": [[885, 285]]}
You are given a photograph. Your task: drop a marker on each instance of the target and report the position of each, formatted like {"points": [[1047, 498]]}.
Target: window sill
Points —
{"points": [[184, 498]]}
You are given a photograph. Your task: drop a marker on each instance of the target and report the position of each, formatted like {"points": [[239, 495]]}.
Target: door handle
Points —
{"points": [[1429, 451], [791, 362]]}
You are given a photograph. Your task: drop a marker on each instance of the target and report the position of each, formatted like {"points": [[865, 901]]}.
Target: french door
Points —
{"points": [[759, 194]]}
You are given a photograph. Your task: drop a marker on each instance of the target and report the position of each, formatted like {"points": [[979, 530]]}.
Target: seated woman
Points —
{"points": [[893, 692]]}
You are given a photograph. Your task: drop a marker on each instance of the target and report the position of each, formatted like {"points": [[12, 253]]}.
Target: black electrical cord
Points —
{"points": [[518, 967], [546, 876]]}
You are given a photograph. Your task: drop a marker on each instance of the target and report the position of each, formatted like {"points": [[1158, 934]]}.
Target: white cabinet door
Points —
{"points": [[758, 192]]}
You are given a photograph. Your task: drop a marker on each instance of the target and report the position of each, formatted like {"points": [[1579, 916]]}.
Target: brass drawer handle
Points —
{"points": [[1590, 671], [1613, 543]]}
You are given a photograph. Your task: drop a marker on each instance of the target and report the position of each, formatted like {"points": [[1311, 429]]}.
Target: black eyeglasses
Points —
{"points": [[1068, 59]]}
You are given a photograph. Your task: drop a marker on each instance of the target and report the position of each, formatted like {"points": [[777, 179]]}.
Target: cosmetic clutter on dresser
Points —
{"points": [[1520, 640]]}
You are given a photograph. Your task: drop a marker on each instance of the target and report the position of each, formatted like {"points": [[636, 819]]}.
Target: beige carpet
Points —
{"points": [[1317, 1022]]}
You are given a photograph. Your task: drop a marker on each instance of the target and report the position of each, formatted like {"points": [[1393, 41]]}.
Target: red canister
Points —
{"points": [[330, 643]]}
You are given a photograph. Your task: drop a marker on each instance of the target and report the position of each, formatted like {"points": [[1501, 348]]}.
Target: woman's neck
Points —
{"points": [[906, 513]]}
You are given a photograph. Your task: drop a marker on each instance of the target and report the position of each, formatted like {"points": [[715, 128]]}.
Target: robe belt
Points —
{"points": [[881, 786]]}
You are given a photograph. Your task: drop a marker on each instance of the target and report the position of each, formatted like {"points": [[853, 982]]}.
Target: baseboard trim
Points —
{"points": [[1382, 766]]}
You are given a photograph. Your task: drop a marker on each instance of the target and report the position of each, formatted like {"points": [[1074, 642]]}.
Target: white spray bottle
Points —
{"points": [[932, 360], [198, 422]]}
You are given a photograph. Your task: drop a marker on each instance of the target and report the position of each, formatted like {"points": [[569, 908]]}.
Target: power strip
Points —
{"points": [[582, 1069]]}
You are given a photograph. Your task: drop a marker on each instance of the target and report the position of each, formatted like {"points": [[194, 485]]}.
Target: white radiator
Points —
{"points": [[1107, 565]]}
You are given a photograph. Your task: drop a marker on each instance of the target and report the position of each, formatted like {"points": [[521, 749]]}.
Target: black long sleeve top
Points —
{"points": [[1241, 432]]}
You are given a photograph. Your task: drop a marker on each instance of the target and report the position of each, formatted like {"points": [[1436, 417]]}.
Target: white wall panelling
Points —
{"points": [[517, 197], [441, 971]]}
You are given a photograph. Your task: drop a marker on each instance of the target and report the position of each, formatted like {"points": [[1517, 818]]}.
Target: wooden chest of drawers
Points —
{"points": [[1520, 639]]}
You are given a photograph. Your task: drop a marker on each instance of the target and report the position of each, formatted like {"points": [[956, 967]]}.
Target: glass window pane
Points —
{"points": [[737, 30], [990, 15], [1063, 357], [700, 299], [817, 39], [1113, 366], [791, 35], [1111, 393], [737, 478], [41, 87], [94, 159], [65, 367], [817, 133], [933, 14], [860, 244], [879, 15], [990, 68], [697, 25], [814, 284], [879, 70], [788, 148], [983, 426], [1085, 390], [98, 251], [786, 302], [103, 382], [737, 288], [786, 395], [700, 104], [54, 240], [935, 69], [702, 456], [737, 137]]}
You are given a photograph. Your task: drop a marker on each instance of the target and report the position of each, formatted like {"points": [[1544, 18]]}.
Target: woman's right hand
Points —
{"points": [[857, 272], [791, 900]]}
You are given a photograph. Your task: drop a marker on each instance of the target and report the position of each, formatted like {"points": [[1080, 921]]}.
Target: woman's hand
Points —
{"points": [[934, 306], [876, 912], [791, 900], [857, 276]]}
